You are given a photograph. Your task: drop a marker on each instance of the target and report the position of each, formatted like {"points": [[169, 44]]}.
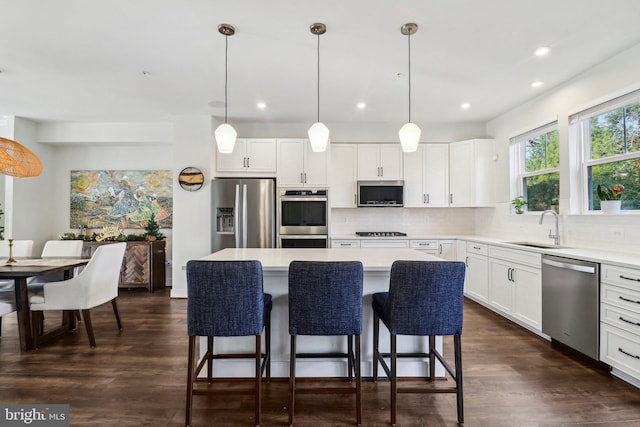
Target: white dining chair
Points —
{"points": [[96, 284], [56, 249], [7, 305], [21, 249]]}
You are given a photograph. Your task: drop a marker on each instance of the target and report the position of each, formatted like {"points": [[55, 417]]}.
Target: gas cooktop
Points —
{"points": [[379, 233]]}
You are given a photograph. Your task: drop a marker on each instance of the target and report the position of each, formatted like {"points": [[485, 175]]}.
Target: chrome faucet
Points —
{"points": [[555, 237]]}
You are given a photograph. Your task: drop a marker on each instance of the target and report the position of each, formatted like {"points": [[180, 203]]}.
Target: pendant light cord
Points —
{"points": [[226, 60], [409, 37], [318, 56]]}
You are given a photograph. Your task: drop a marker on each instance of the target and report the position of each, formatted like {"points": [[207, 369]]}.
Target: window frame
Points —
{"points": [[518, 156], [581, 121]]}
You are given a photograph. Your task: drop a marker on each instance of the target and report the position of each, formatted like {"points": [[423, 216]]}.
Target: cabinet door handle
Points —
{"points": [[466, 262], [509, 274], [629, 278], [451, 198], [629, 300], [305, 177], [301, 180], [424, 198], [345, 244], [427, 199], [355, 199], [635, 356], [381, 171], [244, 162], [440, 248], [248, 162], [628, 321]]}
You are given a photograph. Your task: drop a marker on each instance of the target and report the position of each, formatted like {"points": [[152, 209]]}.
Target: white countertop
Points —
{"points": [[624, 259], [279, 259]]}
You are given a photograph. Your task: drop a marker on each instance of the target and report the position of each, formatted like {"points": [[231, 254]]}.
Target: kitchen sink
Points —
{"points": [[536, 245]]}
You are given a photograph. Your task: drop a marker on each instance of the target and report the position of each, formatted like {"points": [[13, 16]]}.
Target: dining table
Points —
{"points": [[20, 271]]}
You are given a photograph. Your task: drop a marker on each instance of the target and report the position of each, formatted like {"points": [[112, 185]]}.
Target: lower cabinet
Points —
{"points": [[620, 320], [516, 290], [143, 265], [477, 272]]}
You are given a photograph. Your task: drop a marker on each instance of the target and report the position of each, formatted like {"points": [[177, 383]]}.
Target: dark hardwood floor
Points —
{"points": [[137, 377]]}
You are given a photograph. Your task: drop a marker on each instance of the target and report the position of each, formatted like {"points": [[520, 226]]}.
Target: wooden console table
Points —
{"points": [[143, 265]]}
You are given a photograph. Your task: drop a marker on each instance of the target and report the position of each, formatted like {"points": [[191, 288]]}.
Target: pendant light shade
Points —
{"points": [[318, 137], [409, 137], [225, 133], [318, 132], [409, 133], [226, 138]]}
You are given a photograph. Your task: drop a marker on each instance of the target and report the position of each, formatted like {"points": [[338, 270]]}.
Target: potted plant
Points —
{"points": [[610, 198], [519, 204]]}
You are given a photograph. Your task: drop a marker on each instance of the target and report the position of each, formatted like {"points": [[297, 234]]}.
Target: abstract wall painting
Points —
{"points": [[121, 197]]}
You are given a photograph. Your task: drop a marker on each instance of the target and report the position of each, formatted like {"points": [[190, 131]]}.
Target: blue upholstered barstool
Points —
{"points": [[225, 299], [425, 298], [325, 298]]}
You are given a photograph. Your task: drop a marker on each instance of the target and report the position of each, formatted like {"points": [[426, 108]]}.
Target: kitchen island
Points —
{"points": [[275, 265]]}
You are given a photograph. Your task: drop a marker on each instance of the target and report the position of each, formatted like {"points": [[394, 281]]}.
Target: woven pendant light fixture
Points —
{"points": [[225, 133], [409, 133], [318, 132], [17, 160]]}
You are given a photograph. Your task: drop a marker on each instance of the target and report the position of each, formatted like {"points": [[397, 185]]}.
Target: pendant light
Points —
{"points": [[225, 133], [318, 132], [409, 133]]}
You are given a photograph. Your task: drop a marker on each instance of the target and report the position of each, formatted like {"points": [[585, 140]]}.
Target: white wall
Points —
{"points": [[591, 230], [193, 145]]}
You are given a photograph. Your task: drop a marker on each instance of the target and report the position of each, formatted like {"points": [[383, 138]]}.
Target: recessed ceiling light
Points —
{"points": [[537, 83], [465, 105], [361, 105], [542, 51], [261, 105]]}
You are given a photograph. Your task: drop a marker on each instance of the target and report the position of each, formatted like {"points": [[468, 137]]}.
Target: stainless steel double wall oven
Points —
{"points": [[303, 218]]}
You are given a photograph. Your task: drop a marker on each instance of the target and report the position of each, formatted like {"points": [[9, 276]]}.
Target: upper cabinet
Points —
{"points": [[249, 156], [343, 177], [379, 162], [426, 176], [471, 173], [299, 166]]}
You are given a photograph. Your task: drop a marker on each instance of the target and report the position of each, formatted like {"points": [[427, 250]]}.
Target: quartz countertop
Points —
{"points": [[279, 259]]}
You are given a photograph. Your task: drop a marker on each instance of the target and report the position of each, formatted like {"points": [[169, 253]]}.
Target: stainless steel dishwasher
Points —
{"points": [[571, 302]]}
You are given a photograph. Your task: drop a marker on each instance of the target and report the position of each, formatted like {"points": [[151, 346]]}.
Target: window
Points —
{"points": [[610, 140], [537, 167]]}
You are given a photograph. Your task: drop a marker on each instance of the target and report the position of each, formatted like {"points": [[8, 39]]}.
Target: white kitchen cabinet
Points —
{"points": [[377, 162], [345, 243], [471, 173], [436, 175], [249, 156], [299, 166], [414, 186], [477, 272], [515, 285], [461, 255], [620, 321], [384, 243], [444, 249], [343, 189]]}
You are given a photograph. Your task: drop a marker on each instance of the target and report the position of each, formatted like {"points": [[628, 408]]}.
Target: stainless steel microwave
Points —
{"points": [[380, 193]]}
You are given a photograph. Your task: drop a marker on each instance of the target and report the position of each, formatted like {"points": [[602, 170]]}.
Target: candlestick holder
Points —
{"points": [[10, 260]]}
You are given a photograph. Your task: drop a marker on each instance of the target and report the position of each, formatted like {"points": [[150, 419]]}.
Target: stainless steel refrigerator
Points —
{"points": [[243, 213]]}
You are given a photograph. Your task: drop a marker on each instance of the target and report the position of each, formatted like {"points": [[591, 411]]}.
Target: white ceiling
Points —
{"points": [[83, 60]]}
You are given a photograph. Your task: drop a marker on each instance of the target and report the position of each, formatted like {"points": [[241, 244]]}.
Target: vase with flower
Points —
{"points": [[610, 198]]}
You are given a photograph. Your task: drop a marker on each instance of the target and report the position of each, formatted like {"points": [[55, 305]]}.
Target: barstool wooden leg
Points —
{"points": [[292, 379], [394, 379], [457, 343], [209, 357], [190, 379], [258, 394], [376, 340], [358, 372], [350, 357], [432, 358], [267, 344]]}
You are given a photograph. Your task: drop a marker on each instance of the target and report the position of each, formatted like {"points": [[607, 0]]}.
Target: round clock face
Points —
{"points": [[191, 179]]}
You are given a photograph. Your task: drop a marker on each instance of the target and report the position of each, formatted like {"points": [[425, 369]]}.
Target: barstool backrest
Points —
{"points": [[425, 297], [325, 298], [225, 298]]}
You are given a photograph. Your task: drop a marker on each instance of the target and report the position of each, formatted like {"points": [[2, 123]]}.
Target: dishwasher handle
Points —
{"points": [[569, 266]]}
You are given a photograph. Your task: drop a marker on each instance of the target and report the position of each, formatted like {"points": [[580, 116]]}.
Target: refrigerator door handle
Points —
{"points": [[244, 216], [236, 229]]}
